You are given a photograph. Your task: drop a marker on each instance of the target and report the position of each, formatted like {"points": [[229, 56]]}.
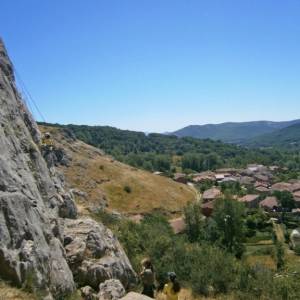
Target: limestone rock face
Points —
{"points": [[94, 254], [31, 252], [111, 290], [87, 293]]}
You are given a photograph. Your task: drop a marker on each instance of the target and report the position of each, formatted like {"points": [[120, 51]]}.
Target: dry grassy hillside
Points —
{"points": [[10, 293], [124, 188]]}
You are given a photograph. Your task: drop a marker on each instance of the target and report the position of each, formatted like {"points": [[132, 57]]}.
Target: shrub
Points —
{"points": [[229, 229], [297, 250], [194, 222], [280, 256], [127, 189], [212, 270], [108, 219]]}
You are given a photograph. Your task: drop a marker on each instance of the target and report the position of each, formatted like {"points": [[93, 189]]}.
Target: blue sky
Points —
{"points": [[157, 65]]}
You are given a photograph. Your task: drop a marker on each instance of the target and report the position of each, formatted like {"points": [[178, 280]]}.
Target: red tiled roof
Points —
{"points": [[269, 202], [212, 193], [209, 204], [295, 187], [281, 186], [297, 196], [249, 198], [262, 189]]}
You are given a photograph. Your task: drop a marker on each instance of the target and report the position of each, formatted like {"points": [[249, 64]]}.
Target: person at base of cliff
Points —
{"points": [[172, 288], [147, 278]]}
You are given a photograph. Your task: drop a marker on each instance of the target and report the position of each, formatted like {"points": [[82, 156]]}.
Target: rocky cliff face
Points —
{"points": [[31, 251], [35, 210]]}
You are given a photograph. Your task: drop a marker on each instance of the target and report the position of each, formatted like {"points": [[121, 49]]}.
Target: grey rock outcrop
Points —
{"points": [[95, 255], [135, 296], [111, 290], [88, 293], [31, 252]]}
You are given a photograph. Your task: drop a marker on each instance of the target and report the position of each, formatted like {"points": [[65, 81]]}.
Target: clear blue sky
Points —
{"points": [[157, 65]]}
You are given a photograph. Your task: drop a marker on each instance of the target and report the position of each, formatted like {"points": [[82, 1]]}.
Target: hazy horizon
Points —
{"points": [[169, 131], [157, 66]]}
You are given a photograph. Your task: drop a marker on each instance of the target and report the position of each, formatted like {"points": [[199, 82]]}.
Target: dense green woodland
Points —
{"points": [[158, 152]]}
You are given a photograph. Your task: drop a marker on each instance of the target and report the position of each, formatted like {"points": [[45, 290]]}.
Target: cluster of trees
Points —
{"points": [[158, 152], [225, 228], [286, 199]]}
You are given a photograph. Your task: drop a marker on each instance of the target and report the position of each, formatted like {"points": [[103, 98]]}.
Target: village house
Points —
{"points": [[262, 178], [273, 168], [255, 168], [221, 176], [230, 171], [295, 187], [180, 177], [211, 194], [246, 180], [250, 201], [204, 176], [258, 183], [269, 204], [297, 198], [262, 189], [281, 186], [230, 179]]}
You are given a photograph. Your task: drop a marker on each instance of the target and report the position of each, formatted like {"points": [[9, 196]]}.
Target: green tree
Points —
{"points": [[194, 222], [229, 225], [285, 198], [280, 256]]}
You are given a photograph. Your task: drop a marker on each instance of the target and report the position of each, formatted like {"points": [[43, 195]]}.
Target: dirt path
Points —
{"points": [[198, 194], [278, 231]]}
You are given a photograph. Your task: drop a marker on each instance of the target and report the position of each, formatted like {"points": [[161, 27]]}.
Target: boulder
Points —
{"points": [[94, 254], [295, 238], [111, 290], [87, 293], [135, 296]]}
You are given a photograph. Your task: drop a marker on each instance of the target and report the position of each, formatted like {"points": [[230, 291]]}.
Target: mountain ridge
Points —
{"points": [[232, 132], [287, 137]]}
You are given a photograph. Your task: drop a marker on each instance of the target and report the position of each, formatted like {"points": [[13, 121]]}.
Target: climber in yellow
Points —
{"points": [[47, 141], [172, 288]]}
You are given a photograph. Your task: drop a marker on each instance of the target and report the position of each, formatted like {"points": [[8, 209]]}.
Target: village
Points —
{"points": [[256, 184]]}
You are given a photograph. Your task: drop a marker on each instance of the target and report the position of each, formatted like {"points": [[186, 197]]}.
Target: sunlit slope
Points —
{"points": [[126, 189]]}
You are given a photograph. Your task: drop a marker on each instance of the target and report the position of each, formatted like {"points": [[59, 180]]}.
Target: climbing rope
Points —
{"points": [[26, 95]]}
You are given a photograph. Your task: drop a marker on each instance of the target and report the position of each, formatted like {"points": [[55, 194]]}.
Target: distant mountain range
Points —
{"points": [[253, 133], [288, 137]]}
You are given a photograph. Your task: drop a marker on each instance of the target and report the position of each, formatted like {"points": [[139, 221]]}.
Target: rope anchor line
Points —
{"points": [[26, 95]]}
